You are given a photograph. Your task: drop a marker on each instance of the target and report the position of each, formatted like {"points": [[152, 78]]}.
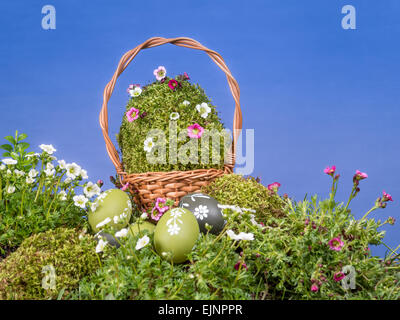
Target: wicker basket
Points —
{"points": [[146, 187]]}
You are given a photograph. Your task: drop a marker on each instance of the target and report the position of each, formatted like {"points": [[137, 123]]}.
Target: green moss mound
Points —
{"points": [[156, 103], [21, 273], [234, 189]]}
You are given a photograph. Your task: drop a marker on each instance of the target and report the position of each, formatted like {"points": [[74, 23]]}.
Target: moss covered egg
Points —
{"points": [[112, 208], [176, 234]]}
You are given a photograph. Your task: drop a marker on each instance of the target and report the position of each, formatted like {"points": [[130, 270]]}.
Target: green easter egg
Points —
{"points": [[137, 227], [113, 205], [176, 234]]}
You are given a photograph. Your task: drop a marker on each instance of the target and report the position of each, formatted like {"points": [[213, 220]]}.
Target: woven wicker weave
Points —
{"points": [[146, 187]]}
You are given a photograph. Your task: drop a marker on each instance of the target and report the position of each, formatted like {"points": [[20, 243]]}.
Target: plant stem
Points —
{"points": [[369, 211]]}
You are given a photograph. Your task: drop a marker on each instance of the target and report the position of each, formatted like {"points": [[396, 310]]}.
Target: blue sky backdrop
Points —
{"points": [[315, 94]]}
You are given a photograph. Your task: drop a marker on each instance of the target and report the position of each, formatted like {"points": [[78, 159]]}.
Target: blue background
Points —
{"points": [[315, 94]]}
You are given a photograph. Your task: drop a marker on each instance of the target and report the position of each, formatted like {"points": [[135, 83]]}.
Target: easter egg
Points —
{"points": [[176, 234], [206, 210], [138, 227], [112, 208]]}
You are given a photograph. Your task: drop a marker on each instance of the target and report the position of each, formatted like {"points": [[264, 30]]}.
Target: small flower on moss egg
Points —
{"points": [[336, 244], [195, 131], [134, 90], [173, 84], [80, 201], [148, 144], [160, 73], [174, 116], [142, 242], [185, 76], [338, 276], [314, 288], [132, 114], [203, 109], [274, 186]]}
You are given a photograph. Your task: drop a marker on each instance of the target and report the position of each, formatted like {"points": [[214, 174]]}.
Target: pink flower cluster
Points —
{"points": [[159, 209]]}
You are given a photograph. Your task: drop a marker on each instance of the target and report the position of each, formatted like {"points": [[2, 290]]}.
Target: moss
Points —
{"points": [[72, 258], [157, 101], [234, 189]]}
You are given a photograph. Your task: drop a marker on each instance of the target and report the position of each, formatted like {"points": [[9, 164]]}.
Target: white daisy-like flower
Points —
{"points": [[29, 180], [33, 173], [240, 236], [50, 172], [101, 245], [232, 235], [32, 155], [68, 180], [203, 109], [84, 174], [10, 189], [103, 223], [73, 170], [135, 92], [62, 164], [142, 242], [148, 144], [174, 116], [93, 206], [49, 166], [173, 229], [47, 148], [144, 215], [62, 195], [185, 103], [8, 172], [122, 233], [116, 219], [2, 167], [201, 212], [91, 190], [19, 173], [9, 161], [80, 201]]}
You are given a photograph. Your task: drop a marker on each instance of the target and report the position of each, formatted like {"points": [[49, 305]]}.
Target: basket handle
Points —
{"points": [[155, 42]]}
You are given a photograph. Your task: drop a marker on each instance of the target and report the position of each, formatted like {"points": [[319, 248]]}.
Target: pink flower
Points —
{"points": [[160, 208], [173, 84], [386, 197], [157, 216], [274, 186], [237, 265], [195, 131], [360, 175], [314, 288], [100, 183], [338, 276], [336, 244], [132, 86], [330, 170], [391, 220], [132, 114], [185, 76], [125, 186], [160, 73]]}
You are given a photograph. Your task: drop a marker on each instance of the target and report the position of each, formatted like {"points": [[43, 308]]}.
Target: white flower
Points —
{"points": [[240, 236], [122, 233], [68, 180], [33, 173], [116, 219], [142, 242], [29, 180], [135, 92], [8, 172], [148, 144], [80, 201], [47, 148], [32, 155], [84, 174], [203, 109], [185, 103], [174, 116], [62, 195], [144, 215], [91, 190], [101, 245], [19, 173], [62, 164], [201, 212], [103, 223], [73, 170], [49, 166], [9, 161], [93, 206], [173, 229], [50, 172], [10, 189], [2, 167]]}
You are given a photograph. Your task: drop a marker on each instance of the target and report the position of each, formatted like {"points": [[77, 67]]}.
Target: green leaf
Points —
{"points": [[22, 136], [6, 154], [23, 146], [10, 139], [7, 147]]}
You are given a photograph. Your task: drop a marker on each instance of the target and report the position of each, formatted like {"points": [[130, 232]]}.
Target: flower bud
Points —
{"points": [[100, 183]]}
